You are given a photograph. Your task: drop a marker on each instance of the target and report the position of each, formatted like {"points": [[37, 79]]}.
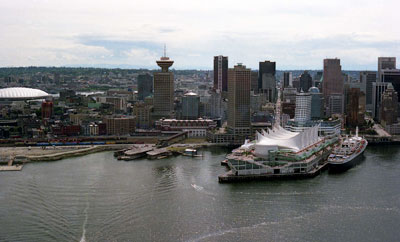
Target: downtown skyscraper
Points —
{"points": [[163, 102], [333, 86], [239, 84], [221, 73], [266, 79]]}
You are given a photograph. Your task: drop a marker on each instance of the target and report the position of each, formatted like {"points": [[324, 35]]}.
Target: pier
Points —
{"points": [[158, 153], [230, 177], [10, 166]]}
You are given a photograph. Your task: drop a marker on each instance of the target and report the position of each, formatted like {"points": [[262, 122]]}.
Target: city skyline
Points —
{"points": [[295, 35]]}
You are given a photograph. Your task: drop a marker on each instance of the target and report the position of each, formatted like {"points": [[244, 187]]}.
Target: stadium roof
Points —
{"points": [[22, 93]]}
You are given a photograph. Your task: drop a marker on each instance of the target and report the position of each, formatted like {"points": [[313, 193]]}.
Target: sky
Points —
{"points": [[297, 34]]}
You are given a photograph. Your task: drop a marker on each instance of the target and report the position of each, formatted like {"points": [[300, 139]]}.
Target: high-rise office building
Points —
{"points": [[239, 82], [392, 76], [266, 79], [368, 77], [385, 63], [317, 103], [335, 104], [163, 101], [303, 107], [287, 79], [318, 79], [254, 81], [333, 85], [289, 101], [221, 73], [190, 106], [305, 81], [216, 107], [145, 86], [377, 90], [389, 106], [142, 113], [355, 108]]}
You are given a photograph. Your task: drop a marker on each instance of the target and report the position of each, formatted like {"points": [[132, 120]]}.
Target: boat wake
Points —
{"points": [[83, 238], [231, 230], [202, 190], [197, 187]]}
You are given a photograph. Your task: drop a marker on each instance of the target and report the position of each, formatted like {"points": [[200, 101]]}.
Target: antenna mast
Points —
{"points": [[165, 50]]}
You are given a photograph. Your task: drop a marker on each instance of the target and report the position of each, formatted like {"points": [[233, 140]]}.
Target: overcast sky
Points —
{"points": [[297, 34]]}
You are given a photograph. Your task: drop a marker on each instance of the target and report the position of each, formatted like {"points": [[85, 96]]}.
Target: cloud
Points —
{"points": [[295, 34]]}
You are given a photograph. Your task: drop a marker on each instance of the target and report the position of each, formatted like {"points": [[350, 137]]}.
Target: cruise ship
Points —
{"points": [[348, 153]]}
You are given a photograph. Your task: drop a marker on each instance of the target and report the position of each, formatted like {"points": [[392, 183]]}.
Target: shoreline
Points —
{"points": [[22, 156]]}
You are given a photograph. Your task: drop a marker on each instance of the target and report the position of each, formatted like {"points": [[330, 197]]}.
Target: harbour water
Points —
{"points": [[97, 198]]}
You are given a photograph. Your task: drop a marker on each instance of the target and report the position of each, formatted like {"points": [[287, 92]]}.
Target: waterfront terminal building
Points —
{"points": [[280, 153]]}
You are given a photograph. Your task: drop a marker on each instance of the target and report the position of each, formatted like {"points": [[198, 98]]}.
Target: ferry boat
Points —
{"points": [[348, 153]]}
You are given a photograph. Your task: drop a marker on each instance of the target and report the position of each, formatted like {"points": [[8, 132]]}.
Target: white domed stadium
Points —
{"points": [[22, 93]]}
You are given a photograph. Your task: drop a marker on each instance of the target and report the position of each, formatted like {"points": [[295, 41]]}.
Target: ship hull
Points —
{"points": [[350, 163]]}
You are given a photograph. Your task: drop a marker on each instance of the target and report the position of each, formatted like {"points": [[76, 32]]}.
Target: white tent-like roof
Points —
{"points": [[279, 138]]}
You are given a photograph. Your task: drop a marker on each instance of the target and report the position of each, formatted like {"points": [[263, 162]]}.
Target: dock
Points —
{"points": [[11, 168], [137, 151], [229, 177], [158, 153]]}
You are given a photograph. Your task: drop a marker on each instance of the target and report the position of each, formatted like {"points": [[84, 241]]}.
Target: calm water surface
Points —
{"points": [[97, 198]]}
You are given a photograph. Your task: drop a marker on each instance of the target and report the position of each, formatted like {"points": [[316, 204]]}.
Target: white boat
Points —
{"points": [[348, 153], [191, 152]]}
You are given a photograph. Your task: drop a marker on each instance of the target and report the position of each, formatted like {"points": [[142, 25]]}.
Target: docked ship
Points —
{"points": [[348, 153], [279, 153]]}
